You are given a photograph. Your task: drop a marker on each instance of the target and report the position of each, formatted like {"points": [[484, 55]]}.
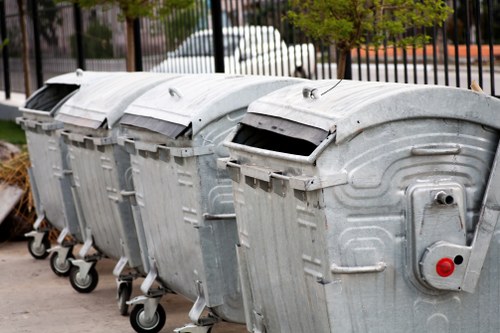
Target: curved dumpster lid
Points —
{"points": [[102, 104], [197, 100], [57, 89], [353, 106]]}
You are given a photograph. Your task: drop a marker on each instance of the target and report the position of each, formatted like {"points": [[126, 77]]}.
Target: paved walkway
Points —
{"points": [[33, 300]]}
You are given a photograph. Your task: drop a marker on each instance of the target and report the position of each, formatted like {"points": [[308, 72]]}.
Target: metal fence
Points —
{"points": [[243, 37]]}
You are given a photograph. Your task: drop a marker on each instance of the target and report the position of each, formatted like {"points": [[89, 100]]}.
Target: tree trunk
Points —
{"points": [[130, 44], [341, 62], [25, 51]]}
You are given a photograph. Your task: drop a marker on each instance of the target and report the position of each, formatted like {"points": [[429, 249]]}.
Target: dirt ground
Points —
{"points": [[34, 299]]}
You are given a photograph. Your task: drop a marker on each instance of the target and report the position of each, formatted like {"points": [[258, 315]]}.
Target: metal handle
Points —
{"points": [[208, 216], [127, 193], [436, 150], [377, 268]]}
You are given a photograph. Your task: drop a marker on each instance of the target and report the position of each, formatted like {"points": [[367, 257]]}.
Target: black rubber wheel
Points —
{"points": [[141, 326], [80, 284], [60, 269], [39, 252], [124, 294]]}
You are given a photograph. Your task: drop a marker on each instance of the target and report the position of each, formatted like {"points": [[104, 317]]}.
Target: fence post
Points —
{"points": [[348, 67], [216, 10], [5, 50], [38, 49], [80, 56], [137, 45]]}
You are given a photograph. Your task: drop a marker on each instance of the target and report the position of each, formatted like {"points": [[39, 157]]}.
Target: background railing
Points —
{"points": [[63, 37]]}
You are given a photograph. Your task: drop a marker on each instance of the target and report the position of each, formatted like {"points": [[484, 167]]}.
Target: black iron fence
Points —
{"points": [[243, 37]]}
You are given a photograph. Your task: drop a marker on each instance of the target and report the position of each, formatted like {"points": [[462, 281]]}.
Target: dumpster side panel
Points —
{"points": [[98, 176], [166, 194], [282, 236], [369, 222], [46, 161], [219, 234]]}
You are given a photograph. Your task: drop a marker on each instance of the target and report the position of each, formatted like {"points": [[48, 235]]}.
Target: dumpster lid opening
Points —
{"points": [[49, 96], [167, 128], [279, 135]]}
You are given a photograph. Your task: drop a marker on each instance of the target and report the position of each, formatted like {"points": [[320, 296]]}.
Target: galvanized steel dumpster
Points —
{"points": [[99, 167], [50, 182], [368, 207], [174, 134]]}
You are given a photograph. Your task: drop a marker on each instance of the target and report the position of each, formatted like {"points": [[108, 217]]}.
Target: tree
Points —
{"points": [[130, 10], [353, 23]]}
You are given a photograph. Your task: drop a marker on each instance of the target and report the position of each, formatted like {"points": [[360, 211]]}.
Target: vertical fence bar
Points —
{"points": [[467, 42], [38, 49], [218, 37], [348, 67], [5, 51], [455, 40], [434, 53], [445, 55], [386, 62], [80, 55], [490, 41], [395, 52], [137, 45], [479, 44]]}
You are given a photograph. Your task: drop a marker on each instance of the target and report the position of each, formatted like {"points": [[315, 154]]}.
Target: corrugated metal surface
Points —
{"points": [[300, 244], [100, 166], [199, 100], [181, 192], [103, 103], [353, 106]]}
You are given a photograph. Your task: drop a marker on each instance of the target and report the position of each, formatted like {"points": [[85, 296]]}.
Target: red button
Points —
{"points": [[445, 267]]}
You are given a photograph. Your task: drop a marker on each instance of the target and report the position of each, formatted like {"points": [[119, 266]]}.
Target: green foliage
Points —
{"points": [[181, 24], [97, 41], [11, 132], [133, 9], [353, 23], [49, 19]]}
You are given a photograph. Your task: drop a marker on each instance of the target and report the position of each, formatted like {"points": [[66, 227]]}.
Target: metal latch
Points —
{"points": [[439, 254]]}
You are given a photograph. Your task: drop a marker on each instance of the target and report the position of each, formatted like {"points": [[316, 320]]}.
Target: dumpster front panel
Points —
{"points": [[167, 194], [389, 215], [282, 234], [44, 157], [98, 175]]}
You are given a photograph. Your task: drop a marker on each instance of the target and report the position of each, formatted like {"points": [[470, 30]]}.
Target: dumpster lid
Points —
{"points": [[57, 89], [103, 103], [354, 106], [197, 100]]}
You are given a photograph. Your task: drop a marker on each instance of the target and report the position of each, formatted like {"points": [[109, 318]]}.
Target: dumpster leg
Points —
{"points": [[39, 242], [148, 314], [59, 259], [124, 285], [199, 325], [83, 275]]}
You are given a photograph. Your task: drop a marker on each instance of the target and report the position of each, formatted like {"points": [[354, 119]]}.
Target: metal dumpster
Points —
{"points": [[99, 169], [368, 207], [50, 183], [174, 134]]}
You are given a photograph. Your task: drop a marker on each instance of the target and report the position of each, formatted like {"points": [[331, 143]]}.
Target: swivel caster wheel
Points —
{"points": [[141, 324], [60, 268], [39, 252], [81, 283], [124, 293]]}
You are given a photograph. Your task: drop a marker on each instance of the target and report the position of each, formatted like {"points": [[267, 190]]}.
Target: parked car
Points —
{"points": [[247, 50]]}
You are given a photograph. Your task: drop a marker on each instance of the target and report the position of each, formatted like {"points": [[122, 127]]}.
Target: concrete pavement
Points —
{"points": [[34, 300]]}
